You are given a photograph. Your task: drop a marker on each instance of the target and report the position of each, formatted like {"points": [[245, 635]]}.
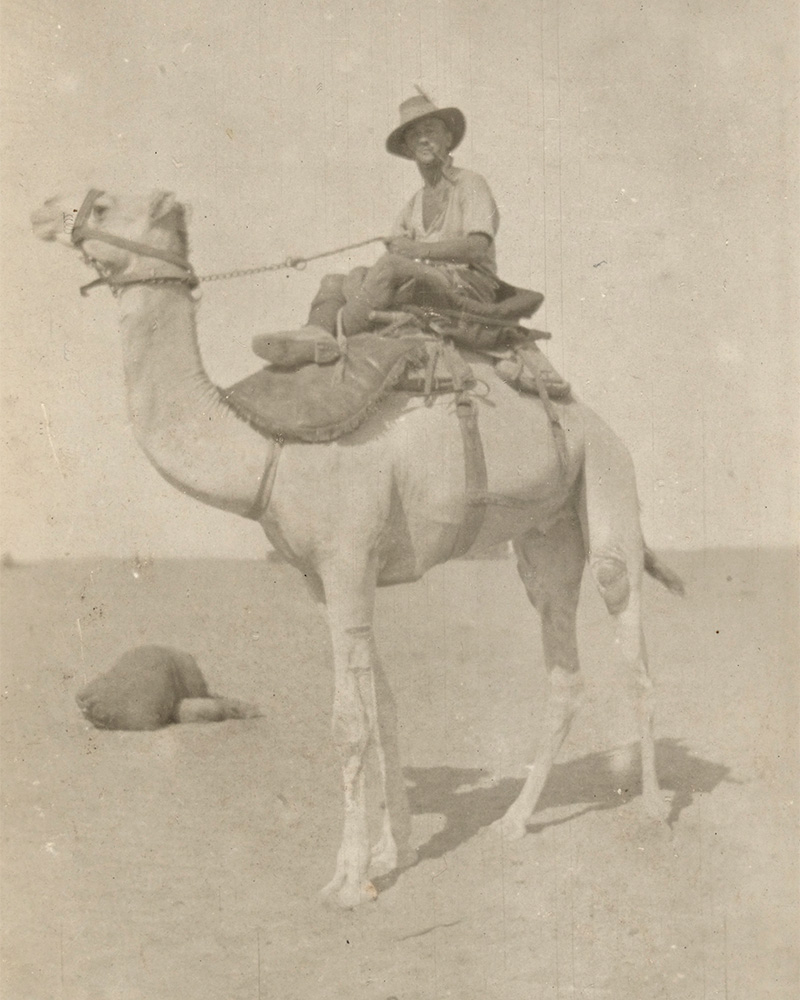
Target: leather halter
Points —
{"points": [[82, 232]]}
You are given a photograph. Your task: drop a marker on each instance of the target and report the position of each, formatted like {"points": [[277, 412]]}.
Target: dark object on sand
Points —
{"points": [[150, 687]]}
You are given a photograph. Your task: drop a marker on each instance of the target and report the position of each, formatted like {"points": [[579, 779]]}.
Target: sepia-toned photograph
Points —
{"points": [[400, 569]]}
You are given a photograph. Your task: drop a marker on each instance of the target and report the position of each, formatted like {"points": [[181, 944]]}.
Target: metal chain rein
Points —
{"points": [[298, 263]]}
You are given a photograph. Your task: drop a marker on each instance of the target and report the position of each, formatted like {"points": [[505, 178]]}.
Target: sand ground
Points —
{"points": [[184, 863]]}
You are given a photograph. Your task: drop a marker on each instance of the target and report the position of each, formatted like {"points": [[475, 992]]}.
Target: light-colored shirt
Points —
{"points": [[469, 207]]}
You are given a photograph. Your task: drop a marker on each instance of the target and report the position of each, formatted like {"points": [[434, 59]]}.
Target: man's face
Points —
{"points": [[428, 141]]}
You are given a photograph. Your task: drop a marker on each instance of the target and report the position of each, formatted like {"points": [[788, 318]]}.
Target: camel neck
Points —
{"points": [[158, 324], [192, 438]]}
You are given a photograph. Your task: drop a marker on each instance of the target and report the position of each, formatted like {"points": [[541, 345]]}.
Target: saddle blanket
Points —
{"points": [[317, 403]]}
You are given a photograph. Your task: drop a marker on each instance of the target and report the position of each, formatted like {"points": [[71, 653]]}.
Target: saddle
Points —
{"points": [[415, 350], [512, 348], [491, 329], [321, 402]]}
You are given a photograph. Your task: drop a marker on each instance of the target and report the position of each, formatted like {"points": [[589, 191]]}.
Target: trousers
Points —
{"points": [[394, 281]]}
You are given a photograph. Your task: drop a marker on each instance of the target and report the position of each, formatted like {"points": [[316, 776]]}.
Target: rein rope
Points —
{"points": [[82, 232]]}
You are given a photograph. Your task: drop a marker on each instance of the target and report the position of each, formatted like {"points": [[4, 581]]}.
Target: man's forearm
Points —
{"points": [[462, 250], [470, 249]]}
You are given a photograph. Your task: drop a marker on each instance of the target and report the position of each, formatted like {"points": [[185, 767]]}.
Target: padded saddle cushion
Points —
{"points": [[316, 403]]}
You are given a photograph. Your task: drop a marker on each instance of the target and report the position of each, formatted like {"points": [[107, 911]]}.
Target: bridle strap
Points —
{"points": [[189, 280], [82, 232], [83, 213]]}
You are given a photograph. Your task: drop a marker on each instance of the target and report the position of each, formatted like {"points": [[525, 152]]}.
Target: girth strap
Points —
{"points": [[552, 414], [475, 474], [264, 492]]}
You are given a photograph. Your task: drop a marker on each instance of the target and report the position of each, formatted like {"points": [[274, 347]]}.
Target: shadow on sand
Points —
{"points": [[469, 802]]}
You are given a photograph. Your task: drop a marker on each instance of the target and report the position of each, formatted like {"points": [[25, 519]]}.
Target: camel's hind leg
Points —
{"points": [[551, 565], [610, 517], [631, 643]]}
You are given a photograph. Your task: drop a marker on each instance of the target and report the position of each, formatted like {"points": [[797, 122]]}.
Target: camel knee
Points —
{"points": [[611, 576], [350, 732], [642, 690], [352, 723]]}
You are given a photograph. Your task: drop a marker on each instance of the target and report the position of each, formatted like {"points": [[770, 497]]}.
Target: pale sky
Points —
{"points": [[643, 157]]}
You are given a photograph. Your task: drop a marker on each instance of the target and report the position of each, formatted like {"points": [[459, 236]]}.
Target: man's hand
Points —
{"points": [[405, 247]]}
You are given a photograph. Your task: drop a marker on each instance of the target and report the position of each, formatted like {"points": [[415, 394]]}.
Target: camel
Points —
{"points": [[379, 506]]}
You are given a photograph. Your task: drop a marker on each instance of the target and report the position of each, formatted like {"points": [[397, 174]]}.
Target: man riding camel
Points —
{"points": [[441, 251]]}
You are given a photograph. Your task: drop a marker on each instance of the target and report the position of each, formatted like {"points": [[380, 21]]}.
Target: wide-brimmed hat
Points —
{"points": [[416, 109]]}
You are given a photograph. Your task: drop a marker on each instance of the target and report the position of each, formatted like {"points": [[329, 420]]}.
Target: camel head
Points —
{"points": [[114, 233]]}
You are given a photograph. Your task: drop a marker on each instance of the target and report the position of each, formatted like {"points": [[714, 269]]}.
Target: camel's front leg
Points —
{"points": [[352, 733], [363, 721], [393, 849]]}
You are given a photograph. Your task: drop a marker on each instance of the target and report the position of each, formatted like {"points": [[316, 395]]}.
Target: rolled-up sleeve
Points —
{"points": [[479, 212]]}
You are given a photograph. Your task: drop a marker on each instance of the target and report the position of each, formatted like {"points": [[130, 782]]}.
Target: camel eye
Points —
{"points": [[98, 211]]}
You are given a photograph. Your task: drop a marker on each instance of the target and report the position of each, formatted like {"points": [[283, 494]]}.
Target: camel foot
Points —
{"points": [[384, 860], [343, 895], [510, 827]]}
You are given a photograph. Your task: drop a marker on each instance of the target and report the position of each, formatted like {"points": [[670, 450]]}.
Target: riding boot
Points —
{"points": [[314, 343]]}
